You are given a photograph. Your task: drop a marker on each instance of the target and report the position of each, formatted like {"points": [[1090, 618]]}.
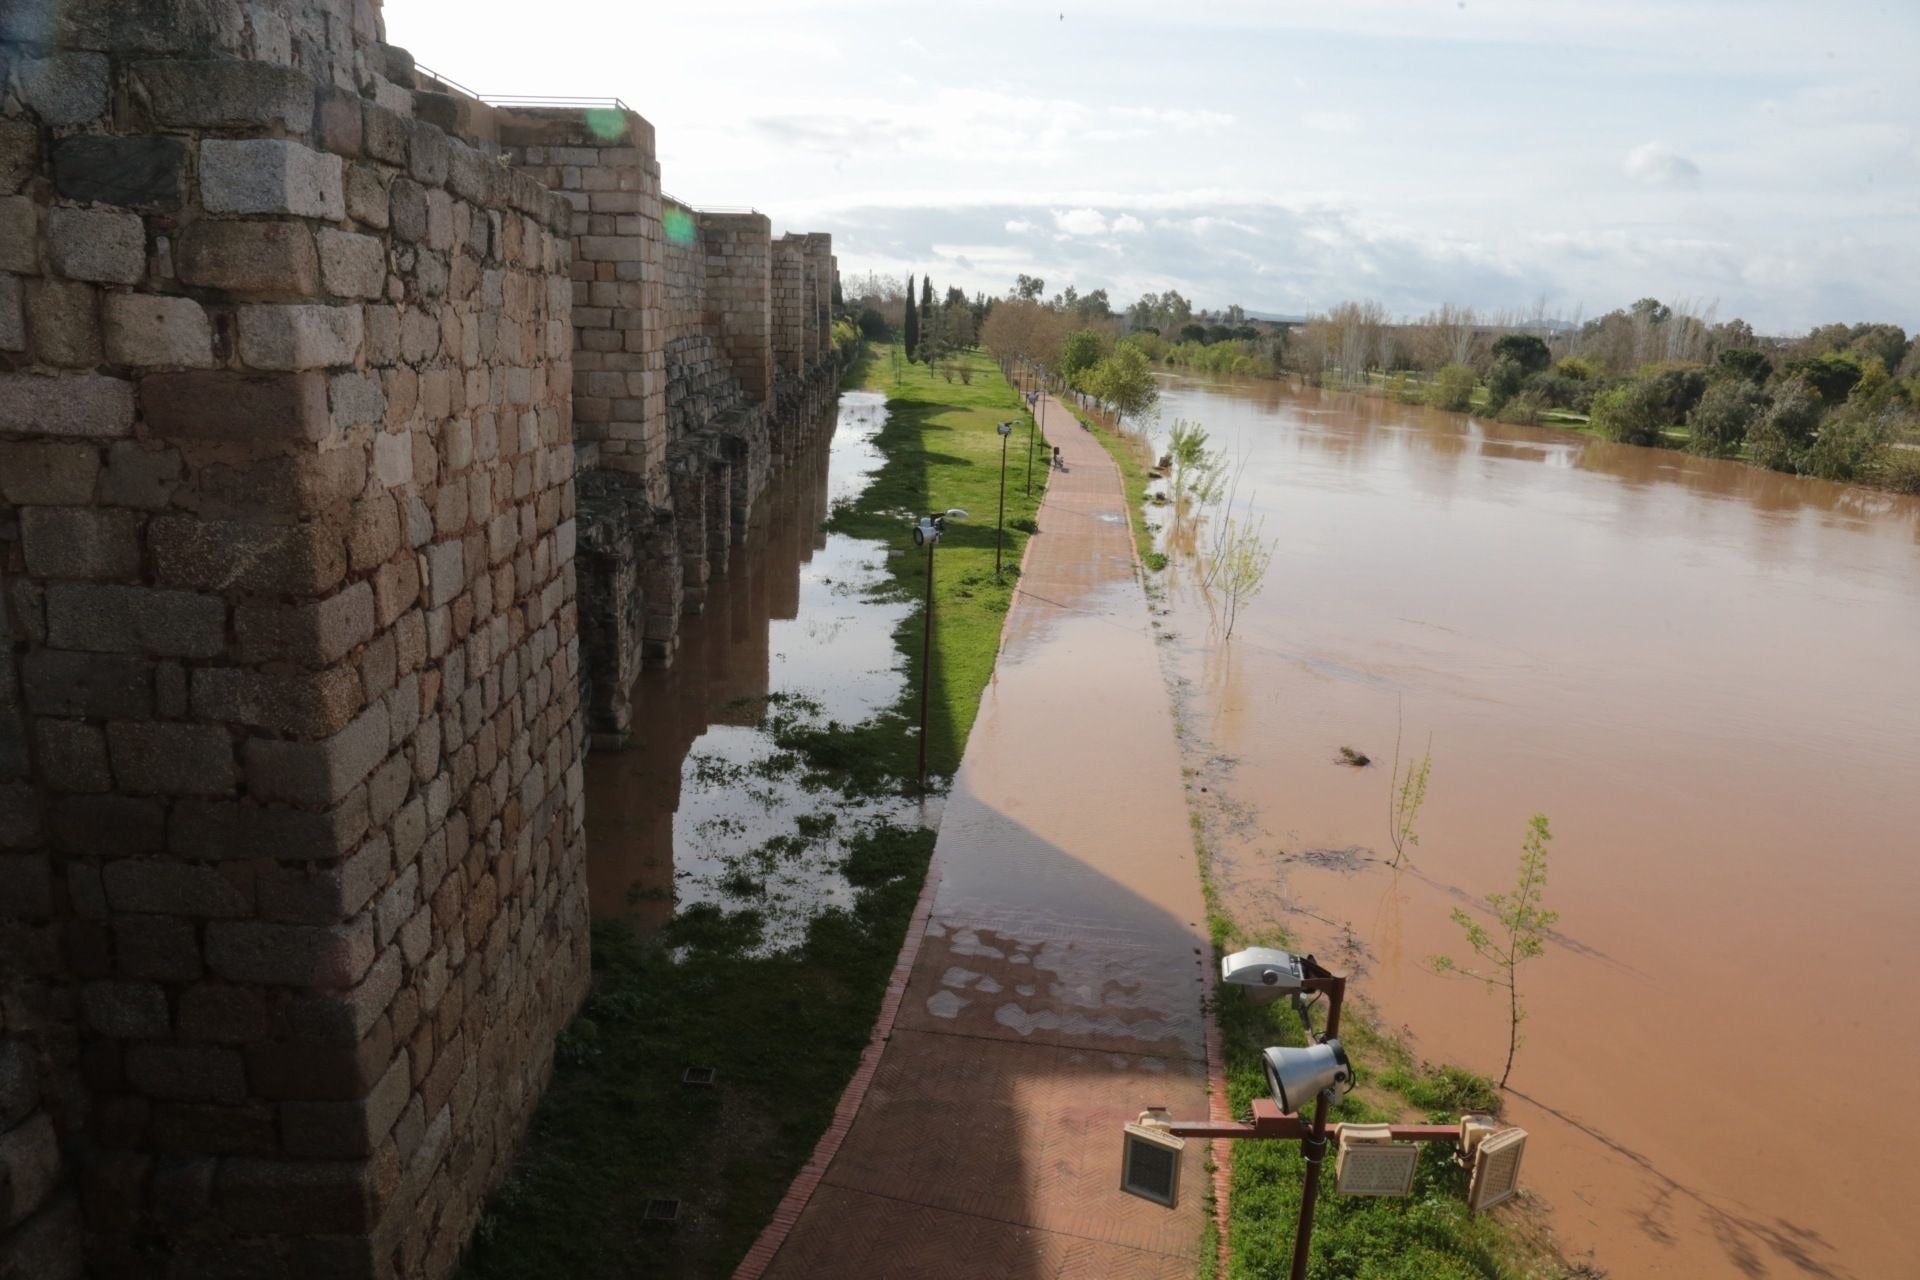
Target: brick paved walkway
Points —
{"points": [[1057, 988]]}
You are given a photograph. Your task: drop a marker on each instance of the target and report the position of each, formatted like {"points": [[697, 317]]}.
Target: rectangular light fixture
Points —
{"points": [[1496, 1169], [1150, 1165], [1371, 1163]]}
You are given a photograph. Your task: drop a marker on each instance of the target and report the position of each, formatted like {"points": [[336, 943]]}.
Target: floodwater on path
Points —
{"points": [[704, 806], [1706, 675]]}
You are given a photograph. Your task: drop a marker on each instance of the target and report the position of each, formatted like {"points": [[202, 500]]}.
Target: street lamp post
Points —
{"points": [[1031, 397], [926, 533], [1000, 523]]}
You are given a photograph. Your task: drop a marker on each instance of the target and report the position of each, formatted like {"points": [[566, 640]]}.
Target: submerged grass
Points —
{"points": [[785, 1029]]}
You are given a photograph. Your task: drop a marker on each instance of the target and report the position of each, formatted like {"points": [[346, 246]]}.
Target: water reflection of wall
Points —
{"points": [[724, 659]]}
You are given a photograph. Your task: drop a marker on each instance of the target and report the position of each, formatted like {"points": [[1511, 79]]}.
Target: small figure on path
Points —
{"points": [[1058, 465]]}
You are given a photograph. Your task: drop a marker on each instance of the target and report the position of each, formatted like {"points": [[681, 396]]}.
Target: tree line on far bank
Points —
{"points": [[1841, 402]]}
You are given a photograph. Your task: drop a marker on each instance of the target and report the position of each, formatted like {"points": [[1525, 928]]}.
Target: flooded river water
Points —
{"points": [[1708, 676], [704, 806]]}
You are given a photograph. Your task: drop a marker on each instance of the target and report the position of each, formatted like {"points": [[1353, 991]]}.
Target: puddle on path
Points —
{"points": [[704, 807]]}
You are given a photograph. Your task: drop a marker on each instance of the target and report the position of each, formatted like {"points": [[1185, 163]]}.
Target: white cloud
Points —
{"points": [[1332, 121], [1658, 165], [1127, 225], [1021, 226], [1080, 222]]}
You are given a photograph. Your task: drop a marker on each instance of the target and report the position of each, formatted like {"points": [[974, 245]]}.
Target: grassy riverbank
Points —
{"points": [[618, 1126], [1426, 1236]]}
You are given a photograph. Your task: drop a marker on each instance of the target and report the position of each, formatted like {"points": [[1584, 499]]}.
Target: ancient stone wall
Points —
{"points": [[333, 419], [289, 732]]}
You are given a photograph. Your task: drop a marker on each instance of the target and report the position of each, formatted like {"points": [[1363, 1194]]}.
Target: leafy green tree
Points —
{"points": [[1029, 287], [1452, 388], [1886, 343], [1080, 352], [1125, 381], [910, 334], [1781, 436], [1745, 362], [1831, 374], [1504, 379], [1718, 425], [1525, 350], [1678, 388], [1094, 306], [1578, 368], [1851, 444], [1193, 333], [1631, 413], [1519, 933]]}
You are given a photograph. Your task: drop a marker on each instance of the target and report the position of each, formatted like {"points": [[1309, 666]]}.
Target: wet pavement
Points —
{"points": [[1057, 990]]}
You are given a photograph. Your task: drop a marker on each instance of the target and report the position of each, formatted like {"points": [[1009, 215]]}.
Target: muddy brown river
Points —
{"points": [[1708, 676]]}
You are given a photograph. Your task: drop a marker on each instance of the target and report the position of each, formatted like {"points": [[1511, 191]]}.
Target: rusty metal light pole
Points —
{"points": [[1031, 397], [1000, 523], [926, 533]]}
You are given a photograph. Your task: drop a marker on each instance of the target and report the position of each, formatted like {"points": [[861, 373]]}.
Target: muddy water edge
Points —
{"points": [[1703, 672]]}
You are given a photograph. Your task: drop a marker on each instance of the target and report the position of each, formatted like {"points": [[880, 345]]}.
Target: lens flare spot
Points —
{"points": [[606, 123], [678, 224]]}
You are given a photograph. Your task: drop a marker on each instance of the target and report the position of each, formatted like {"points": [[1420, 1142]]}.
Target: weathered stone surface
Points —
{"points": [[249, 257], [217, 555], [162, 886], [19, 233], [226, 93], [149, 329], [47, 472], [303, 704], [187, 1072], [294, 955], [171, 759], [66, 88], [81, 542], [64, 322], [114, 619], [29, 1168], [233, 404], [77, 405], [367, 195], [13, 314], [342, 1130], [126, 1010], [446, 572], [19, 154], [325, 894], [139, 476], [299, 336], [135, 172], [318, 773], [96, 244], [223, 1128], [156, 948], [96, 685], [270, 175], [336, 120], [227, 829], [303, 1196], [352, 266], [27, 881], [312, 635], [222, 1014], [73, 755]]}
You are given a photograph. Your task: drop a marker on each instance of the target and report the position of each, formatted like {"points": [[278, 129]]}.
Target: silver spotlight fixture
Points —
{"points": [[1004, 428], [1269, 971], [932, 525], [1296, 1076]]}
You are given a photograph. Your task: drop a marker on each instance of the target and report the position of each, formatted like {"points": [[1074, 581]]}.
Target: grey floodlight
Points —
{"points": [[1269, 971], [1295, 1076], [1371, 1163], [929, 527], [1496, 1168], [1150, 1160], [1004, 428]]}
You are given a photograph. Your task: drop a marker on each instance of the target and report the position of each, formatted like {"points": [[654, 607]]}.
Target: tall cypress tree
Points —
{"points": [[912, 329], [926, 310]]}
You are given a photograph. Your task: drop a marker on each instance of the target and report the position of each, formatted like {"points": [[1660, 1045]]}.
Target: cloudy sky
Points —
{"points": [[1283, 154]]}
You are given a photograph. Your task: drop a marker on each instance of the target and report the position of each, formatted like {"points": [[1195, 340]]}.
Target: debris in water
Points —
{"points": [[1358, 759]]}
